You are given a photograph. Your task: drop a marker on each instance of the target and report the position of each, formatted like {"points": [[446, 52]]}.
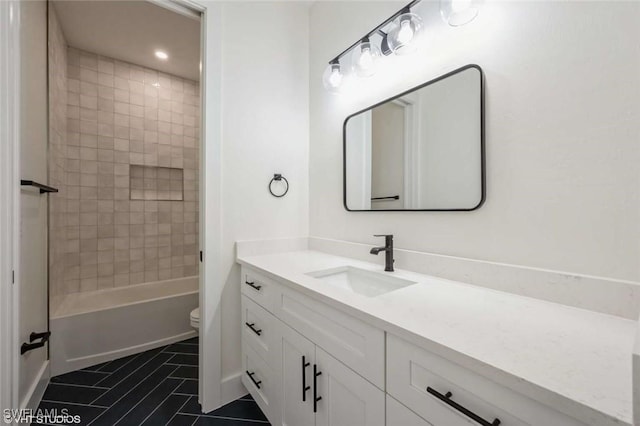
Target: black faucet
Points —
{"points": [[388, 249]]}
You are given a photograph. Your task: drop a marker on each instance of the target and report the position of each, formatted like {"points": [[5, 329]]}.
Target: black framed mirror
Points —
{"points": [[421, 150]]}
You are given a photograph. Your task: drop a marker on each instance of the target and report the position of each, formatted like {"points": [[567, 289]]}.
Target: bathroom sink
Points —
{"points": [[361, 281]]}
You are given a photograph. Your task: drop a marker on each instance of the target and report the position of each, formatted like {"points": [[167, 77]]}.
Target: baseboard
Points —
{"points": [[34, 395], [232, 388], [74, 364]]}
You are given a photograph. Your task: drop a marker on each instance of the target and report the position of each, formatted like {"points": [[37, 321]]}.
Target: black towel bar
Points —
{"points": [[392, 197], [43, 188]]}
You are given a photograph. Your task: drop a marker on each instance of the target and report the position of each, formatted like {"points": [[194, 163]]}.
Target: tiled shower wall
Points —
{"points": [[118, 115], [57, 135]]}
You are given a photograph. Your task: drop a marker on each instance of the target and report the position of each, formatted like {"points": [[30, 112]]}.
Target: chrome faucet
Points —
{"points": [[388, 249]]}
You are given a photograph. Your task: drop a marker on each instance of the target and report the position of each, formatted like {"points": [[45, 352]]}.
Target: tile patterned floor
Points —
{"points": [[156, 387]]}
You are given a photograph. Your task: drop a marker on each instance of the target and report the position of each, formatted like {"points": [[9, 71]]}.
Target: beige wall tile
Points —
{"points": [[114, 115]]}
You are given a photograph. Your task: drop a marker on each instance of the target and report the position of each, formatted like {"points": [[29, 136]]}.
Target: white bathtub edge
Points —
{"points": [[87, 361], [191, 282], [124, 305], [87, 339]]}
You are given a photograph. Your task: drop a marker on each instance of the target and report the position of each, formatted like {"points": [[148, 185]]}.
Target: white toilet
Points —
{"points": [[195, 318]]}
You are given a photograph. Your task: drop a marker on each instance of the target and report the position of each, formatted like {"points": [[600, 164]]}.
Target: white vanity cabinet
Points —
{"points": [[310, 385], [309, 364]]}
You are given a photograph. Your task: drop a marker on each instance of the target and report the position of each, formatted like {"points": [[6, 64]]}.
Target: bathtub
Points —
{"points": [[89, 328]]}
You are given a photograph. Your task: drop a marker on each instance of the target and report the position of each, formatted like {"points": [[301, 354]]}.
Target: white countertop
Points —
{"points": [[573, 360]]}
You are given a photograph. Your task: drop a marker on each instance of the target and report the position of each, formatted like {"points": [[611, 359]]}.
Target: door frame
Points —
{"points": [[211, 394], [10, 208], [211, 274]]}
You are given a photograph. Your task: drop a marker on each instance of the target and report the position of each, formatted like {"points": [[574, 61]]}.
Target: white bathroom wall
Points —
{"points": [[265, 114], [562, 139]]}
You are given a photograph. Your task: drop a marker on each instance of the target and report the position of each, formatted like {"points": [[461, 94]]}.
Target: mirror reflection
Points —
{"points": [[421, 150]]}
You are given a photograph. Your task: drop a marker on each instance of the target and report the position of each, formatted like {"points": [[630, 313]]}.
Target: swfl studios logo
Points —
{"points": [[52, 417]]}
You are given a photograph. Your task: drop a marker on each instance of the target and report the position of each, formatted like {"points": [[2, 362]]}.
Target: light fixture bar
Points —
{"points": [[377, 29]]}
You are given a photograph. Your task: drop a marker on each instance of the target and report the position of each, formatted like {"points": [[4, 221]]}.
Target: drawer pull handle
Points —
{"points": [[305, 388], [258, 332], [316, 398], [257, 383], [253, 285], [446, 398]]}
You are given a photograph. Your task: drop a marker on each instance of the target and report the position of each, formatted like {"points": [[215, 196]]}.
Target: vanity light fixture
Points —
{"points": [[162, 55], [459, 12], [406, 29], [332, 77], [397, 35], [365, 58]]}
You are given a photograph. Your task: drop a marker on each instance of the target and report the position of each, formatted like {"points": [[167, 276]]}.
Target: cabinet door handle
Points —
{"points": [[253, 285], [446, 398], [316, 398], [257, 383], [258, 332], [305, 388]]}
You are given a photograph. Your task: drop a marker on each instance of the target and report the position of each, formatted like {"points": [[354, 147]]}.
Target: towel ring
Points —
{"points": [[277, 178]]}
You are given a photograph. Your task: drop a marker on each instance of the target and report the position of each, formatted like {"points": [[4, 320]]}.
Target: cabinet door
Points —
{"points": [[346, 398], [298, 358]]}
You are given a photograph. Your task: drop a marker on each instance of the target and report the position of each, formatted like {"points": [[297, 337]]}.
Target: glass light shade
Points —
{"points": [[402, 37], [459, 12], [365, 59], [332, 77]]}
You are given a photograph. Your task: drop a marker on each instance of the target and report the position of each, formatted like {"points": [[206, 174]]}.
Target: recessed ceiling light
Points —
{"points": [[161, 55]]}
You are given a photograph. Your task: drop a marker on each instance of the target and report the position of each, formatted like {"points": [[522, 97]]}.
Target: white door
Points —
{"points": [[33, 215], [387, 156], [298, 359], [347, 398]]}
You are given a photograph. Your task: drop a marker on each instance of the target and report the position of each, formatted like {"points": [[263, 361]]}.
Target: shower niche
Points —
{"points": [[153, 183]]}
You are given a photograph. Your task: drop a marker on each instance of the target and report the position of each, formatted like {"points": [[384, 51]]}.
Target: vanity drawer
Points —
{"points": [[420, 380], [353, 342], [259, 330], [261, 382], [259, 288]]}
